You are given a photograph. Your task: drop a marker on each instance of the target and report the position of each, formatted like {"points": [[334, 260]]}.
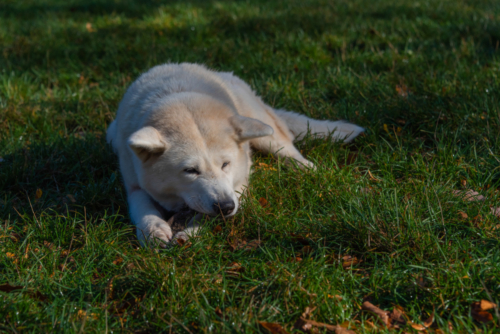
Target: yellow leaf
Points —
{"points": [[38, 193], [11, 255]]}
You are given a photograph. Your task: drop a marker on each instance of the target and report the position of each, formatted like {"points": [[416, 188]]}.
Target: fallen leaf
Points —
{"points": [[89, 27], [426, 325], [117, 261], [217, 229], [184, 243], [349, 261], [48, 244], [479, 311], [463, 215], [383, 315], [429, 321], [295, 259], [273, 328], [402, 90], [242, 244], [263, 202], [219, 312], [397, 316], [10, 255], [487, 305], [469, 195], [38, 193], [307, 250], [335, 297]]}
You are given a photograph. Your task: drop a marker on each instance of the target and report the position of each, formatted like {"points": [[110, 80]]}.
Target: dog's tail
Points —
{"points": [[111, 134], [300, 125]]}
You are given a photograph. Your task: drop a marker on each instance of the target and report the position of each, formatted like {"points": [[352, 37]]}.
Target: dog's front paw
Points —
{"points": [[154, 231]]}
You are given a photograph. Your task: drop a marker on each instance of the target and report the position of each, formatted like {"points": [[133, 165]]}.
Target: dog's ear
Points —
{"points": [[147, 142], [249, 128]]}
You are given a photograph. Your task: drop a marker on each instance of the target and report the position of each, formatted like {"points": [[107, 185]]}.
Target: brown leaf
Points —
{"points": [[398, 316], [486, 305], [338, 297], [426, 325], [235, 269], [117, 261], [48, 244], [217, 229], [263, 202], [429, 321], [402, 90], [242, 244], [38, 193], [71, 198], [463, 215], [479, 311], [295, 259], [307, 250], [469, 195], [219, 312], [383, 315], [273, 328], [307, 326], [89, 28], [349, 261]]}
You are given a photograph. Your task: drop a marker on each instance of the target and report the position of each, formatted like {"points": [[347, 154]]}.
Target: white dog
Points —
{"points": [[183, 135]]}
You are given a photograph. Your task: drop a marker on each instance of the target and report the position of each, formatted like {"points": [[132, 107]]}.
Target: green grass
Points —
{"points": [[59, 88]]}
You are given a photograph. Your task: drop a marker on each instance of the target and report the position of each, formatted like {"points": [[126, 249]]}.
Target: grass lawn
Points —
{"points": [[383, 220]]}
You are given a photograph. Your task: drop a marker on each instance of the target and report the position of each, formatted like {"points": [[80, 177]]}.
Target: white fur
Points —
{"points": [[179, 118]]}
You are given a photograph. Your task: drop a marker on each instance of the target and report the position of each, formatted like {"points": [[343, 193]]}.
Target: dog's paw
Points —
{"points": [[154, 232]]}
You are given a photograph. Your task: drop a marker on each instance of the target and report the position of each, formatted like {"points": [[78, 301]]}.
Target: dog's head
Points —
{"points": [[194, 151]]}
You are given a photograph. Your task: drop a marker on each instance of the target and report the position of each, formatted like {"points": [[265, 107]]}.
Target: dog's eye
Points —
{"points": [[224, 165], [191, 171]]}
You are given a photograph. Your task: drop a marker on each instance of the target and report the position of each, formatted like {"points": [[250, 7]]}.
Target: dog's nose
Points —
{"points": [[225, 207]]}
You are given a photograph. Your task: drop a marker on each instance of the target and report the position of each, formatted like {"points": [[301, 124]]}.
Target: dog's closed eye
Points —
{"points": [[192, 171], [225, 164]]}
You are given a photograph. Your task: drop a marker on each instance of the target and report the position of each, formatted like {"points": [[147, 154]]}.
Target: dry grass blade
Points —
{"points": [[273, 328], [383, 315]]}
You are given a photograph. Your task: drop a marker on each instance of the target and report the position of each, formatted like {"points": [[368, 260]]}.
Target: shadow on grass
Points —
{"points": [[81, 174]]}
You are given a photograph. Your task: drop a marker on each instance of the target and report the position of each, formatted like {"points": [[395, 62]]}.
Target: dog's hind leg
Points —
{"points": [[280, 142]]}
